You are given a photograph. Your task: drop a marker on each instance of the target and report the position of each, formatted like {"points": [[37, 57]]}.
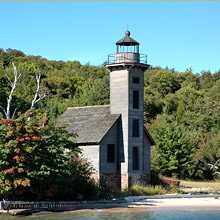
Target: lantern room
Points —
{"points": [[127, 51], [127, 44]]}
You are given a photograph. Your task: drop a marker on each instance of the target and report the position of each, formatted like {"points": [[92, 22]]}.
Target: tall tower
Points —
{"points": [[126, 69]]}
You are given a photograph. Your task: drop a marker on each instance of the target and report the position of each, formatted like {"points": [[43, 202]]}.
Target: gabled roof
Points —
{"points": [[151, 140], [91, 123]]}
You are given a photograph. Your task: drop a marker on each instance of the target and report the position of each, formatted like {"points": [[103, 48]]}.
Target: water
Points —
{"points": [[125, 214]]}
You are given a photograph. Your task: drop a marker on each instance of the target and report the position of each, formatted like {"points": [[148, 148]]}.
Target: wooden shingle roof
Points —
{"points": [[91, 123]]}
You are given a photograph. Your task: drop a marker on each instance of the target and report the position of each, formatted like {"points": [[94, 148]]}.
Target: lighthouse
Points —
{"points": [[126, 68], [113, 137]]}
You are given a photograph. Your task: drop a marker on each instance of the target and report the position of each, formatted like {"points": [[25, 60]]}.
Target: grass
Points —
{"points": [[199, 186], [185, 187], [138, 190]]}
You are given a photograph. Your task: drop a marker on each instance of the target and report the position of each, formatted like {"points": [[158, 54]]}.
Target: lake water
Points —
{"points": [[126, 214]]}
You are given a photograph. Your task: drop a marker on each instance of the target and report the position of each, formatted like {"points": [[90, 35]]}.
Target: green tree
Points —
{"points": [[164, 81], [35, 159], [175, 150], [94, 92], [208, 157]]}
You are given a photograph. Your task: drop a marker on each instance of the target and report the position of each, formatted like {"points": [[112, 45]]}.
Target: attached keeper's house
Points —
{"points": [[113, 137]]}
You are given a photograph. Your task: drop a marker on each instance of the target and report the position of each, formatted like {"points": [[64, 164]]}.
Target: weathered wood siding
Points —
{"points": [[147, 156], [136, 114], [119, 102], [91, 152], [110, 138]]}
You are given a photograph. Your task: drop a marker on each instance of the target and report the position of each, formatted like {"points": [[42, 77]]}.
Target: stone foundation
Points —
{"points": [[120, 181], [138, 178], [111, 180], [124, 181]]}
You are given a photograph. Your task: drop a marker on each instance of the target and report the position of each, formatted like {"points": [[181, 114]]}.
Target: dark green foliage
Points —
{"points": [[65, 83], [187, 101], [175, 150], [94, 92], [189, 112], [163, 81], [38, 158]]}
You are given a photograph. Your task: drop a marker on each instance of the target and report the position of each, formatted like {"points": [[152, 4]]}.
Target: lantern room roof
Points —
{"points": [[127, 40]]}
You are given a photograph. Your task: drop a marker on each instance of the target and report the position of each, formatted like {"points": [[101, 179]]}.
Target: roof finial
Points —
{"points": [[127, 33]]}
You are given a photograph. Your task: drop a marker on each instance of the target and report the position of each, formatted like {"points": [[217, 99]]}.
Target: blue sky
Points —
{"points": [[179, 35]]}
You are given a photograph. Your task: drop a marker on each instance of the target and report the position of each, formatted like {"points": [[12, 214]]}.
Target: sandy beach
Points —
{"points": [[156, 206], [187, 204], [180, 202], [202, 203]]}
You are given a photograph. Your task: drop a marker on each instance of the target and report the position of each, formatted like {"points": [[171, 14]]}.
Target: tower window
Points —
{"points": [[135, 158], [135, 128], [136, 99], [136, 80], [110, 153]]}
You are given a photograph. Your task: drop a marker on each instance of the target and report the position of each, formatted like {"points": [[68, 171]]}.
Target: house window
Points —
{"points": [[136, 99], [135, 128], [135, 158], [136, 80], [110, 153]]}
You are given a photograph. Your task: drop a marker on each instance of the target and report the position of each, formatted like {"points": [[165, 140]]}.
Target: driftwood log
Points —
{"points": [[168, 181]]}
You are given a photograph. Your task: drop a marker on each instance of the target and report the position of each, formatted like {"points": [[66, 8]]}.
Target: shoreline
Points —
{"points": [[135, 203], [180, 202]]}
